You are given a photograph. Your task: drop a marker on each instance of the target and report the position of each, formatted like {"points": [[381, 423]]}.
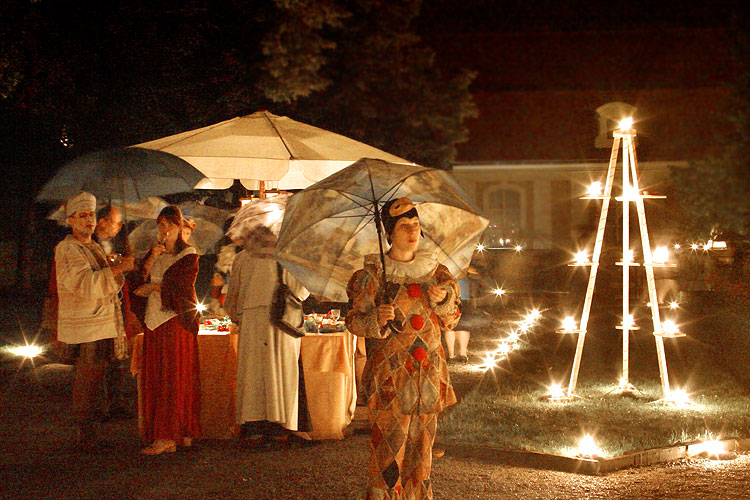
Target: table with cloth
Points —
{"points": [[328, 367]]}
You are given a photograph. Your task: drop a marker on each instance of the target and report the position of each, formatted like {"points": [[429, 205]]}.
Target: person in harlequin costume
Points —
{"points": [[406, 377]]}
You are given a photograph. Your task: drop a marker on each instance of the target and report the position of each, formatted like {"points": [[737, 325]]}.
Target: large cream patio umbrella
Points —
{"points": [[263, 149]]}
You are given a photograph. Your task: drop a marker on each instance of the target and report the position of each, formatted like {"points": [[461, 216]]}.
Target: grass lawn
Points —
{"points": [[505, 407]]}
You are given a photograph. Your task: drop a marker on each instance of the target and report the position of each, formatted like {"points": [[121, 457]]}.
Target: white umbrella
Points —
{"points": [[147, 208], [265, 147], [204, 238]]}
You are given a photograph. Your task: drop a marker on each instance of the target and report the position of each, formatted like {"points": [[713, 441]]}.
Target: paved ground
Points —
{"points": [[38, 460]]}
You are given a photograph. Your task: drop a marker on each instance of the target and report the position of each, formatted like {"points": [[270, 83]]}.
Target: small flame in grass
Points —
{"points": [[488, 362], [587, 447], [26, 351], [555, 391], [679, 396], [712, 448]]}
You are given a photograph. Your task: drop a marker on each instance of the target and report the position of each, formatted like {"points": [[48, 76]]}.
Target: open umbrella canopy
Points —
{"points": [[125, 174], [329, 227], [256, 225], [204, 238], [148, 208], [265, 147], [209, 229]]}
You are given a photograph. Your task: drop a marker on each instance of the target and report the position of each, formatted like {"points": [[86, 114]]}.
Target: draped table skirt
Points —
{"points": [[327, 364]]}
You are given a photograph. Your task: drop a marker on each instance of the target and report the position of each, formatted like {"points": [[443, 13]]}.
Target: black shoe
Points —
{"points": [[462, 359], [294, 441]]}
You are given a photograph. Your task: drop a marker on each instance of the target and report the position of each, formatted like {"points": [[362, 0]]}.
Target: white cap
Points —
{"points": [[83, 201]]}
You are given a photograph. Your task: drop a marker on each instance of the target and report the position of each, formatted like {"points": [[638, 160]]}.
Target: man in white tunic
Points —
{"points": [[267, 364], [88, 315]]}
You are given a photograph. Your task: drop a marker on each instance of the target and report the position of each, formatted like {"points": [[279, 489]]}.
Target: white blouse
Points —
{"points": [[155, 315]]}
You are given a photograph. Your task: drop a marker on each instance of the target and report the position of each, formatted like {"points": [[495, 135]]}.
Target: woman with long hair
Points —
{"points": [[170, 383]]}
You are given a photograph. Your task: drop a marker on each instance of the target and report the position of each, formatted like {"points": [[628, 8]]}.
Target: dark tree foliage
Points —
{"points": [[715, 191], [98, 74], [373, 78]]}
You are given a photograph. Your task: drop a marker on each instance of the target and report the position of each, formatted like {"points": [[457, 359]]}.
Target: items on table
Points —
{"points": [[325, 323], [216, 324]]}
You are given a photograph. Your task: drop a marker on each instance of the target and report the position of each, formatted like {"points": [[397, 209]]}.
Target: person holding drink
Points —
{"points": [[406, 376], [171, 391]]}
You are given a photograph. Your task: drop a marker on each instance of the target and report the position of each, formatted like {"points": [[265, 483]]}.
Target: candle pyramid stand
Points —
{"points": [[623, 136]]}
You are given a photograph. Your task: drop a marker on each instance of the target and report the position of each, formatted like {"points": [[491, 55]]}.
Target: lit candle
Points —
{"points": [[661, 255], [595, 189], [587, 447], [569, 324], [26, 351]]}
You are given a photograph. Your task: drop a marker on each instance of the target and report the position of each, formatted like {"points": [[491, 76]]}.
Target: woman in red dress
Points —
{"points": [[170, 383]]}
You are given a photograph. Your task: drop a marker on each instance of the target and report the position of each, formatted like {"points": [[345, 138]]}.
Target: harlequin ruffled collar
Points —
{"points": [[417, 270]]}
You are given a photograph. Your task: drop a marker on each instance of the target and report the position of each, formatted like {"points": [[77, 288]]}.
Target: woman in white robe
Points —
{"points": [[267, 358]]}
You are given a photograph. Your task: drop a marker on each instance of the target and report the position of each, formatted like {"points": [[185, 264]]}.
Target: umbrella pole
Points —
{"points": [[380, 239]]}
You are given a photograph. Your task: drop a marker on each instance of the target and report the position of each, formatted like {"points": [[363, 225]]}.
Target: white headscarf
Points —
{"points": [[83, 201]]}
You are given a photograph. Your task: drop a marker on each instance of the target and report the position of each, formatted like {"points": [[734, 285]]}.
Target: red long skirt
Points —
{"points": [[170, 383]]}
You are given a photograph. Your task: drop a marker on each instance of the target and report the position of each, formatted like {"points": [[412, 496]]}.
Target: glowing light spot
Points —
{"points": [[679, 396], [694, 246], [629, 256], [587, 447], [518, 248], [504, 349], [712, 448], [535, 314], [581, 257], [674, 304], [626, 123], [595, 189], [670, 327], [569, 324], [488, 362], [480, 247], [661, 255], [555, 391], [629, 321], [499, 292], [200, 307], [676, 246], [26, 351]]}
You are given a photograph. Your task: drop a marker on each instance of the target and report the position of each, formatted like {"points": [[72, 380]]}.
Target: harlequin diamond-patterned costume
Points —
{"points": [[406, 376]]}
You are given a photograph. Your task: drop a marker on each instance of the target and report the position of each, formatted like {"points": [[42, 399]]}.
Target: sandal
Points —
{"points": [[160, 446]]}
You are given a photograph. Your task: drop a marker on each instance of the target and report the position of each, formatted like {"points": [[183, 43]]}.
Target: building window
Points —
{"points": [[609, 116], [503, 205]]}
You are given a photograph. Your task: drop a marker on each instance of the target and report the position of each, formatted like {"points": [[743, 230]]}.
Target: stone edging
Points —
{"points": [[591, 466]]}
